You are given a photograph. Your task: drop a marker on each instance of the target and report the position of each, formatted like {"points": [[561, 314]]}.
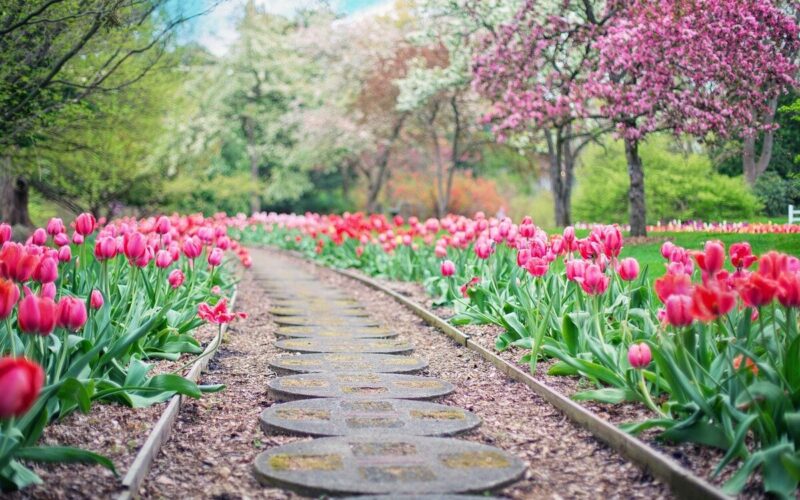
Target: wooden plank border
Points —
{"points": [[682, 482], [160, 433]]}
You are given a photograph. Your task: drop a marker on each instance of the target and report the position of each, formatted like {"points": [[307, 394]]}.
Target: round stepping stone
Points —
{"points": [[375, 346], [343, 417], [305, 311], [355, 385], [321, 332], [376, 464], [324, 320], [346, 362]]}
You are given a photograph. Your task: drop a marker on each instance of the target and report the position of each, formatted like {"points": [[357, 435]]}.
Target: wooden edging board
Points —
{"points": [[159, 435], [682, 482]]}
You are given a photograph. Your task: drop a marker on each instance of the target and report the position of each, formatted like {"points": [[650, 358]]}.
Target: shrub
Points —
{"points": [[677, 186], [776, 193]]}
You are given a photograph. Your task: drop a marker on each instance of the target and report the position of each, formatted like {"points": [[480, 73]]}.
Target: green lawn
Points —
{"points": [[649, 254]]}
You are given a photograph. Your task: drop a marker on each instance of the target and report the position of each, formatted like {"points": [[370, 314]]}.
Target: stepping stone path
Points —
{"points": [[351, 382]]}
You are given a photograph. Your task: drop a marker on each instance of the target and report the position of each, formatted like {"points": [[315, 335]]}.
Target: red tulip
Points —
{"points": [[36, 314], [20, 383], [748, 364], [46, 271], [742, 255], [772, 264], [176, 278], [628, 269], [672, 284], [9, 295], [789, 290], [639, 355], [537, 266], [448, 268], [711, 302], [96, 300], [26, 266], [71, 313], [85, 224], [712, 259], [757, 290], [678, 310], [5, 233]]}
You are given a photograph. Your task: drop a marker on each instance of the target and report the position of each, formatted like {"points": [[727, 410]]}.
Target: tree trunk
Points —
{"points": [[249, 126], [752, 167], [636, 199], [562, 163], [376, 180], [14, 195]]}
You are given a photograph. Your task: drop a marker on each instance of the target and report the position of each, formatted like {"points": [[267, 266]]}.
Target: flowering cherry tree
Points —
{"points": [[699, 67]]}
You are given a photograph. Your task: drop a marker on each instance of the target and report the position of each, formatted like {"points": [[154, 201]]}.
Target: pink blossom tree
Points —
{"points": [[695, 67], [578, 68]]}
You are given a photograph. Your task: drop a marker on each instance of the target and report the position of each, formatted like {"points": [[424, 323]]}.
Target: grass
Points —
{"points": [[649, 254]]}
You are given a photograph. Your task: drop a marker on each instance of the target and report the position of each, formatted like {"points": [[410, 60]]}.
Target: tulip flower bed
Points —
{"points": [[710, 348], [86, 316]]}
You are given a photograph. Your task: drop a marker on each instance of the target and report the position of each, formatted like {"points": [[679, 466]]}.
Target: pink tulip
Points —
{"points": [[537, 266], [135, 245], [55, 226], [20, 383], [39, 237], [594, 281], [679, 310], [71, 313], [85, 224], [176, 278], [192, 248], [712, 259], [162, 225], [48, 291], [215, 257], [65, 254], [5, 233], [105, 248], [575, 269], [36, 314], [448, 268], [46, 271], [96, 300], [163, 259], [77, 238], [483, 249], [628, 269], [639, 355], [440, 251], [61, 239]]}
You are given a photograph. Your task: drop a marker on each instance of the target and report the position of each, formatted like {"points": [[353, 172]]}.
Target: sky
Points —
{"points": [[217, 29]]}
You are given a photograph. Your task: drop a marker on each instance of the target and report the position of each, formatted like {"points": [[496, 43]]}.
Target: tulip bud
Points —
{"points": [[5, 233], [77, 238], [71, 313], [215, 257], [65, 254], [628, 269], [85, 224], [39, 237], [9, 295], [176, 278], [448, 268], [96, 300], [55, 226], [639, 355], [20, 383], [163, 259]]}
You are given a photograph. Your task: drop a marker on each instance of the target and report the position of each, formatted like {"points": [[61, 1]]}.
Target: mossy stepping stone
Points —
{"points": [[347, 362], [375, 346], [357, 385], [320, 319], [314, 304], [334, 333], [380, 463], [344, 417], [313, 310]]}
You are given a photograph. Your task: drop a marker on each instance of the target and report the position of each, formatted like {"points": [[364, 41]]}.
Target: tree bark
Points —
{"points": [[752, 167], [14, 196], [378, 177], [249, 126], [636, 199], [562, 163]]}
